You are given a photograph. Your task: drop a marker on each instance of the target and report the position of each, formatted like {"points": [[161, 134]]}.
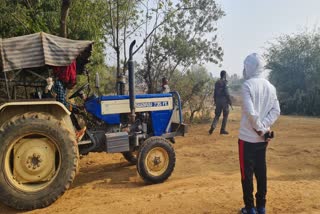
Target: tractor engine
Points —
{"points": [[138, 130], [139, 126]]}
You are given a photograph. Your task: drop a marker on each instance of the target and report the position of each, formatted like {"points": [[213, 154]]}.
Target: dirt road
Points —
{"points": [[206, 178]]}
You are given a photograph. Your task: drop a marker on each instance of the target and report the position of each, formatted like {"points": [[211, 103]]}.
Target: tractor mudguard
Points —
{"points": [[54, 108]]}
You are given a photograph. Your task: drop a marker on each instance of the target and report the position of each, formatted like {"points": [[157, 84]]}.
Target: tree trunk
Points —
{"points": [[65, 7], [148, 76], [120, 85], [117, 48]]}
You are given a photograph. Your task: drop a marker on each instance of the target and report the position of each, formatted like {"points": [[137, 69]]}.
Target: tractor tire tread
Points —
{"points": [[10, 196], [147, 145]]}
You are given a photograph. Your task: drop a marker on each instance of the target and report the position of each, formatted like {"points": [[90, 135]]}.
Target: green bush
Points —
{"points": [[294, 61]]}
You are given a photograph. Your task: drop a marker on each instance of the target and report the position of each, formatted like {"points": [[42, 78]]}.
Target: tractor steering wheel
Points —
{"points": [[77, 92]]}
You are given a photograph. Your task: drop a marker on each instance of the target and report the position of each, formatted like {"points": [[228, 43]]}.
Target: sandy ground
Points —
{"points": [[206, 178]]}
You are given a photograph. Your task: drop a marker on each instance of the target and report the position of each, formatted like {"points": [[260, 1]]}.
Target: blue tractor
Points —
{"points": [[38, 146], [141, 127]]}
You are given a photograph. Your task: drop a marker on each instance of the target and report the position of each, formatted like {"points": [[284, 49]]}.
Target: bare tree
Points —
{"points": [[183, 35]]}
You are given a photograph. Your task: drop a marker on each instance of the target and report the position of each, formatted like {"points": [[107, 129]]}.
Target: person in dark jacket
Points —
{"points": [[222, 101]]}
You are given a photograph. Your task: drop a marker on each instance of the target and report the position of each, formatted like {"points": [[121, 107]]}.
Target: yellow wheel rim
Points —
{"points": [[157, 161], [32, 162]]}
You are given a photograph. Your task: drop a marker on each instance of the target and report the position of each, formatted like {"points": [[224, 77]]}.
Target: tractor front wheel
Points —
{"points": [[156, 160]]}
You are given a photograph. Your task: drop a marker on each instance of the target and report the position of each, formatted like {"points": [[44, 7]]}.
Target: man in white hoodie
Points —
{"points": [[260, 109]]}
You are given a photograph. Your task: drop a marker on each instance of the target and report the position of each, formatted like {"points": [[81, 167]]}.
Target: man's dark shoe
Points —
{"points": [[248, 211], [210, 131], [261, 210], [223, 132]]}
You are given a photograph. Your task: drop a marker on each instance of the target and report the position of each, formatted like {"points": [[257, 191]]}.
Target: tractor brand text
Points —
{"points": [[152, 104]]}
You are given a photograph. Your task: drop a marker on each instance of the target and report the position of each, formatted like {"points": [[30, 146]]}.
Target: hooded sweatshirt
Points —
{"points": [[260, 105]]}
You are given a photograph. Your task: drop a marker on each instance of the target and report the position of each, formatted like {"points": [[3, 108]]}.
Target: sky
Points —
{"points": [[249, 25]]}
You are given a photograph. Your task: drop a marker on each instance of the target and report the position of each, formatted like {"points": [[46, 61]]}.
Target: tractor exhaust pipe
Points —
{"points": [[132, 94]]}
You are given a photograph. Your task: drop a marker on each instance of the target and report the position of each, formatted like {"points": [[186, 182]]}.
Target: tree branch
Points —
{"points": [[111, 22], [65, 7], [161, 23], [23, 24]]}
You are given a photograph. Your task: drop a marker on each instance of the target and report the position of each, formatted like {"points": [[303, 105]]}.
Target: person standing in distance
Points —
{"points": [[165, 85], [222, 101], [260, 109]]}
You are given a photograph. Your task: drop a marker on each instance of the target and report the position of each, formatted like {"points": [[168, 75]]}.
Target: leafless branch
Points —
{"points": [[21, 22]]}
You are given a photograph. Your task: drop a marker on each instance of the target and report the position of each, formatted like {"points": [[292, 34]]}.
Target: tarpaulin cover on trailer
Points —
{"points": [[39, 49]]}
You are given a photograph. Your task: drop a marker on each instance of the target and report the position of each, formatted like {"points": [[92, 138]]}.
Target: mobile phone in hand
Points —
{"points": [[269, 135]]}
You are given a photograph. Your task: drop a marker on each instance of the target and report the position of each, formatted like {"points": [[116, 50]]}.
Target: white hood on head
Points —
{"points": [[253, 66]]}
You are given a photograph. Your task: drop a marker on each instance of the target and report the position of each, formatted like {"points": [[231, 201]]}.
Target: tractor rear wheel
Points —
{"points": [[156, 160], [39, 159]]}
